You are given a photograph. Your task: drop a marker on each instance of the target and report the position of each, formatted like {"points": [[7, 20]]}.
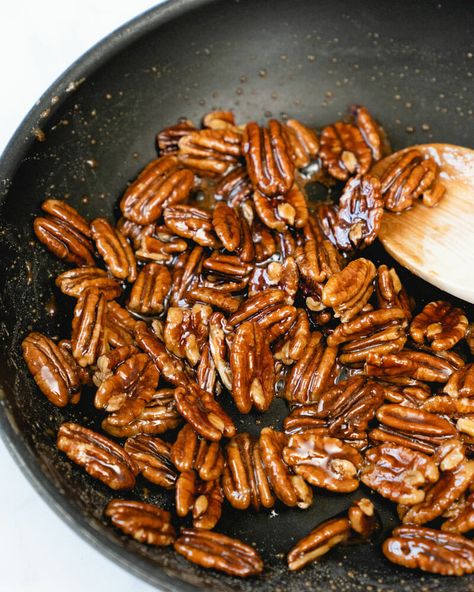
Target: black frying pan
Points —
{"points": [[410, 62]]}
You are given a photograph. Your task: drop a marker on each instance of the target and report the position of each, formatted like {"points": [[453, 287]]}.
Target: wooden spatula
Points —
{"points": [[437, 244]]}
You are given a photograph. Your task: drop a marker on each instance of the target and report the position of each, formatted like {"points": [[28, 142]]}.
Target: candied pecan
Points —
{"points": [[192, 223], [251, 364], [318, 542], [449, 454], [211, 151], [74, 281], [159, 185], [190, 451], [283, 276], [363, 518], [150, 289], [302, 142], [375, 332], [439, 497], [227, 265], [409, 392], [144, 522], [125, 393], [408, 177], [244, 480], [349, 290], [99, 456], [162, 249], [206, 374], [152, 457], [359, 213], [324, 461], [120, 325], [168, 138], [291, 489], [219, 119], [461, 382], [268, 159], [186, 331], [159, 415], [235, 187], [277, 212], [430, 550], [218, 551], [441, 324], [67, 214], [463, 519], [291, 347], [204, 413], [390, 292], [227, 226], [134, 232], [398, 473], [114, 249], [89, 334], [449, 406], [414, 364], [344, 151], [52, 371], [107, 363], [264, 241], [313, 372], [83, 374], [218, 330], [202, 498], [371, 131], [213, 297], [185, 274]]}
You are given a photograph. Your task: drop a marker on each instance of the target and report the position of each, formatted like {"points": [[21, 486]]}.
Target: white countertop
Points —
{"points": [[38, 41]]}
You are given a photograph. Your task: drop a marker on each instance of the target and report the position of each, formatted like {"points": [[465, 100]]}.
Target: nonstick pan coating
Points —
{"points": [[411, 64]]}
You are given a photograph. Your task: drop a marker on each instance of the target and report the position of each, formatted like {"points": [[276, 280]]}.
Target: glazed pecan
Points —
{"points": [[318, 542], [89, 333], [344, 151], [313, 372], [185, 275], [75, 281], [441, 324], [211, 151], [363, 518], [324, 461], [268, 159], [408, 177], [227, 265], [463, 519], [235, 188], [279, 211], [244, 480], [107, 363], [65, 233], [202, 498], [55, 375], [219, 330], [282, 276], [219, 119], [120, 325], [461, 382], [206, 374], [162, 248], [146, 523], [204, 413], [150, 289], [430, 550], [161, 184], [291, 347], [134, 232], [217, 551], [186, 331], [371, 131], [114, 249], [191, 452], [158, 415], [263, 240], [99, 456], [227, 226], [398, 473], [152, 457], [375, 332], [167, 139], [192, 223], [291, 489], [302, 143], [84, 374], [450, 406], [213, 297], [390, 291], [251, 364], [349, 290]]}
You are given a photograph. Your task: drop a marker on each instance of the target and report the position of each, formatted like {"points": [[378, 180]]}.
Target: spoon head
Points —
{"points": [[437, 244]]}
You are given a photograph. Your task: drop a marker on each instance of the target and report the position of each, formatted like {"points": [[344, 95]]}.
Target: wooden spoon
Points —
{"points": [[437, 244]]}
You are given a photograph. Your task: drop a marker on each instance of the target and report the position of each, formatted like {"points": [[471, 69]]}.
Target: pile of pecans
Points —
{"points": [[222, 281]]}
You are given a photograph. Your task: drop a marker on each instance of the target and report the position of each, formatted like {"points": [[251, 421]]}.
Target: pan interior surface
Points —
{"points": [[411, 64]]}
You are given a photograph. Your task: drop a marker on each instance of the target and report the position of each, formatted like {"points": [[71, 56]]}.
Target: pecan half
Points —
{"points": [[202, 498], [282, 276], [398, 473], [235, 187], [186, 331], [219, 330], [318, 542], [167, 139], [461, 382], [252, 368], [213, 297], [279, 211], [363, 517], [114, 249], [204, 413], [153, 458], [185, 275], [191, 452], [150, 289], [430, 550], [54, 374], [134, 232], [371, 131], [218, 551], [99, 456], [192, 223], [161, 249], [211, 151], [227, 226], [349, 290], [441, 324], [390, 291], [324, 461], [291, 347], [302, 142], [219, 119], [159, 185], [268, 159], [463, 519], [146, 523], [88, 336], [75, 281], [120, 325], [344, 151], [62, 211]]}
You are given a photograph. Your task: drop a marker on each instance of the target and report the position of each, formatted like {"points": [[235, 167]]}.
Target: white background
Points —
{"points": [[39, 39]]}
